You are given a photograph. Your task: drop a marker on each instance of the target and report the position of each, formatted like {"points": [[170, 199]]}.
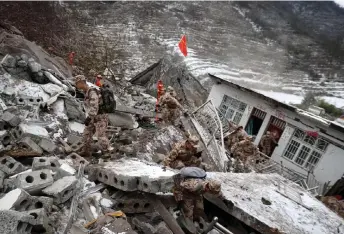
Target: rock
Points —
{"points": [[74, 110], [72, 138], [122, 120], [63, 189], [24, 57], [127, 150], [162, 228], [158, 158], [126, 140], [33, 66], [22, 63], [8, 61]]}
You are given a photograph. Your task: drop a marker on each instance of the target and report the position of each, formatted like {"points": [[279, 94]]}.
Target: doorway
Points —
{"points": [[275, 127], [255, 122]]}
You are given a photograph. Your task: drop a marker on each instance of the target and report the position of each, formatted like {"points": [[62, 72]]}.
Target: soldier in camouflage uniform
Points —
{"points": [[171, 90], [244, 150], [238, 135], [184, 154], [170, 108], [266, 143], [192, 196], [94, 122]]}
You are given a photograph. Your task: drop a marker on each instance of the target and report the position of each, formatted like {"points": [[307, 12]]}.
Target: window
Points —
{"points": [[232, 109], [305, 150]]}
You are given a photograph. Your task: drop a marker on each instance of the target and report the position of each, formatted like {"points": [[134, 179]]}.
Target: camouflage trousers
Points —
{"points": [[267, 150], [193, 207], [179, 164], [97, 125], [170, 116], [242, 156]]}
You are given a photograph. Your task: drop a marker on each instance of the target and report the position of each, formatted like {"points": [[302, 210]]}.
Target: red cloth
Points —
{"points": [[182, 46], [98, 82], [312, 133]]}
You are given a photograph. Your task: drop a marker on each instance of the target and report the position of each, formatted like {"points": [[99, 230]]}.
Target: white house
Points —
{"points": [[297, 150]]}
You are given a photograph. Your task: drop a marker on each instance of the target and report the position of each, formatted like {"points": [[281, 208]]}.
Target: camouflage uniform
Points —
{"points": [[170, 108], [192, 195], [245, 149], [236, 137], [266, 143], [181, 156], [98, 123]]}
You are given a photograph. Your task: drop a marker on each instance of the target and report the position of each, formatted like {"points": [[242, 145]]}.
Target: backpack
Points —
{"points": [[108, 103], [193, 172]]}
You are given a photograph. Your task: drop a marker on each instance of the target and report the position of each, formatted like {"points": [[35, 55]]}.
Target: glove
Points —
{"points": [[87, 121]]}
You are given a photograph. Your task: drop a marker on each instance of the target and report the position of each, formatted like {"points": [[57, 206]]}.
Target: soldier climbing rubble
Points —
{"points": [[184, 154], [236, 136], [97, 119], [189, 187], [170, 106], [245, 150]]}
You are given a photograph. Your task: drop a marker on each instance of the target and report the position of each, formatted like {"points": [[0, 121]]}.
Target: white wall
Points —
{"points": [[331, 165]]}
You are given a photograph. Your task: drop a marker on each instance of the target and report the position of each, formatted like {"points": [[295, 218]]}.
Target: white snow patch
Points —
{"points": [[94, 212], [281, 97], [313, 116], [9, 199], [106, 203], [76, 127], [59, 108]]}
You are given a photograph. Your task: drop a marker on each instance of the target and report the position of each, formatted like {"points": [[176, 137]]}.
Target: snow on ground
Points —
{"points": [[247, 190]]}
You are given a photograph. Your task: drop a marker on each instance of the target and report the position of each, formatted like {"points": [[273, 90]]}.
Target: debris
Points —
{"points": [[77, 160], [41, 221], [10, 166], [47, 145], [17, 199], [33, 182], [30, 148], [35, 132], [5, 138], [14, 222], [51, 163], [62, 190], [11, 119]]}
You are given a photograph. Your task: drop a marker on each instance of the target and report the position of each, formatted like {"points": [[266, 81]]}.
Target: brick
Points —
{"points": [[62, 190], [41, 202], [77, 160], [41, 221], [51, 163], [10, 166], [35, 132], [5, 138], [11, 119], [30, 147], [14, 222], [47, 145], [33, 182], [17, 199]]}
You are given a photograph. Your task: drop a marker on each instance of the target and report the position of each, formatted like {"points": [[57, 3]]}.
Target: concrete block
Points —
{"points": [[51, 163], [3, 106], [76, 146], [17, 199], [146, 228], [131, 205], [4, 125], [27, 100], [64, 170], [14, 222], [9, 185], [32, 148], [77, 160], [72, 138], [33, 182], [62, 190], [149, 185], [2, 178], [22, 63], [35, 132], [41, 221], [118, 225], [11, 119], [41, 202], [5, 138], [9, 61], [121, 182], [47, 145], [10, 166], [158, 158], [34, 67]]}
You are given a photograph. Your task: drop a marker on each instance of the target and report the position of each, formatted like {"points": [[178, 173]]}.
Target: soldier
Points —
{"points": [[171, 90], [184, 154], [94, 122], [192, 196], [244, 150], [170, 107], [266, 143], [238, 135]]}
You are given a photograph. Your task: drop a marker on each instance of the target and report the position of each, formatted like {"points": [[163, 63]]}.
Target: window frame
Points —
{"points": [[233, 106], [305, 145]]}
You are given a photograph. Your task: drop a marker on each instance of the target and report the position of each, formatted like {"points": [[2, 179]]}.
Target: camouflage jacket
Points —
{"points": [[236, 137], [92, 99], [193, 188], [267, 140], [246, 147], [179, 152], [167, 100]]}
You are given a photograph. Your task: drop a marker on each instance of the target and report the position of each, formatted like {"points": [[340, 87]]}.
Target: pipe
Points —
{"points": [[222, 228], [210, 226]]}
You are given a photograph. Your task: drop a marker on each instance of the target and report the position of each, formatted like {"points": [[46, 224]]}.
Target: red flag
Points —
{"points": [[312, 133], [182, 46]]}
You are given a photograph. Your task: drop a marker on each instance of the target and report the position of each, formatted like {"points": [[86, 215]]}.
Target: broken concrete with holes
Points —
{"points": [[47, 187]]}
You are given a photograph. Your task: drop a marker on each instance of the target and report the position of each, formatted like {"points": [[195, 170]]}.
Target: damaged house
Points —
{"points": [[316, 157]]}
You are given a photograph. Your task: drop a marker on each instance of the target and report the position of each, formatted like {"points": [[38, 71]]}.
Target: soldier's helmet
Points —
{"points": [[193, 140], [79, 78], [214, 186]]}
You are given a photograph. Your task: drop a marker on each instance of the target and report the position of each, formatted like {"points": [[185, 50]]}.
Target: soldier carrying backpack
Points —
{"points": [[98, 103]]}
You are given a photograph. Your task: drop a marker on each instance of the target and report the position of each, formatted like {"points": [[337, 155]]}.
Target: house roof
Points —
{"points": [[308, 115]]}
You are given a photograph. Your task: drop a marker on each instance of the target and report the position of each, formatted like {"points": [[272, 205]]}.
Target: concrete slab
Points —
{"points": [[33, 182], [62, 190], [14, 222], [131, 174], [248, 193]]}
